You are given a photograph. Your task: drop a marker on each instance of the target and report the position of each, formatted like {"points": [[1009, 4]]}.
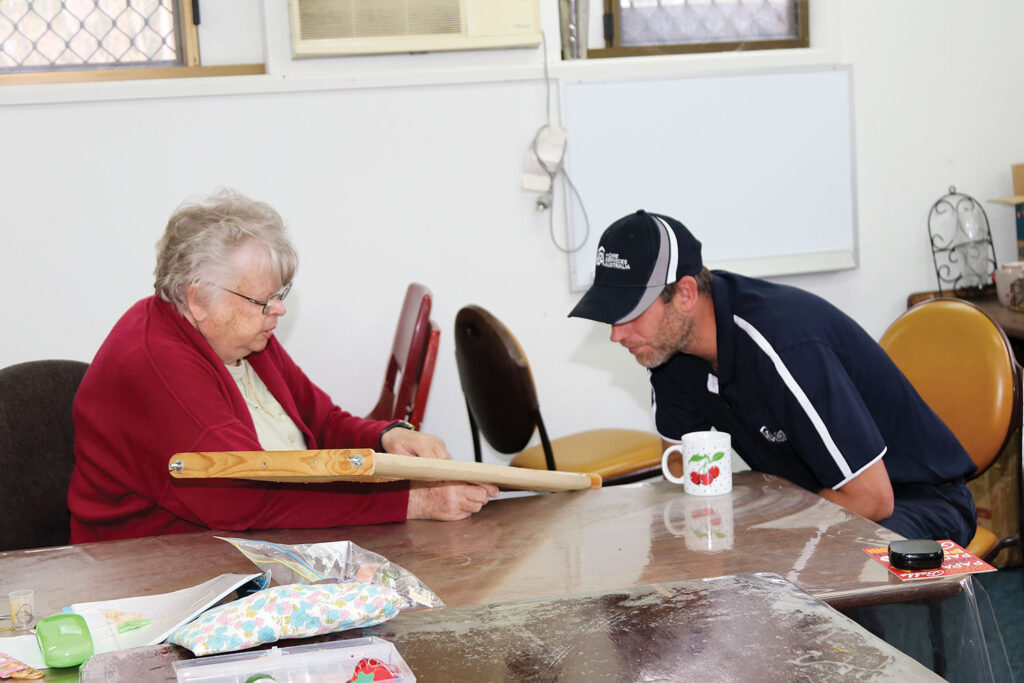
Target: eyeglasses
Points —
{"points": [[269, 303]]}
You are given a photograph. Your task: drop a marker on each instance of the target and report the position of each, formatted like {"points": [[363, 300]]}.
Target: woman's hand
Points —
{"points": [[408, 442], [447, 500], [444, 500]]}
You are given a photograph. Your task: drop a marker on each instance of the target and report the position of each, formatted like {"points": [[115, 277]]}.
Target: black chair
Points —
{"points": [[37, 451], [502, 403]]}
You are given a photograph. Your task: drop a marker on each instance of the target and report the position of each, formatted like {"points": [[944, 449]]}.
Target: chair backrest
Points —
{"points": [[404, 374], [962, 365], [37, 451], [426, 375], [496, 380]]}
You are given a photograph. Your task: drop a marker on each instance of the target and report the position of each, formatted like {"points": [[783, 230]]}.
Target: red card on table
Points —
{"points": [[955, 560]]}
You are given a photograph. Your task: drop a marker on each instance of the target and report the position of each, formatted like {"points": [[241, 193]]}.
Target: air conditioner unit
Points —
{"points": [[324, 28]]}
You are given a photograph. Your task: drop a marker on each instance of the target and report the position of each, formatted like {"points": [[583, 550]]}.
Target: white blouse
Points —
{"points": [[274, 429]]}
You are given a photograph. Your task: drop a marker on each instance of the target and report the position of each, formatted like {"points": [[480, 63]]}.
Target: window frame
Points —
{"points": [[190, 67], [614, 49]]}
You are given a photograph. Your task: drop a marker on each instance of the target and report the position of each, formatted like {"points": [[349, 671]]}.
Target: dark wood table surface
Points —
{"points": [[734, 628], [1010, 320], [539, 547], [530, 547]]}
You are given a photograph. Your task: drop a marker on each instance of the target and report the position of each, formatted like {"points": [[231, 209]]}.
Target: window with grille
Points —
{"points": [[40, 36], [644, 27], [54, 35]]}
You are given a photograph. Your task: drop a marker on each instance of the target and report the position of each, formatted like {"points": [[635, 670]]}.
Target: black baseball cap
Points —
{"points": [[637, 256]]}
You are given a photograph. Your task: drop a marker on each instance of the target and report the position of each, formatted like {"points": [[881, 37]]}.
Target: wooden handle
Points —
{"points": [[284, 466], [408, 467], [367, 466]]}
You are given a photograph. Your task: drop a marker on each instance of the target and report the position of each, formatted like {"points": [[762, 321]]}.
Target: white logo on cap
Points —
{"points": [[611, 260]]}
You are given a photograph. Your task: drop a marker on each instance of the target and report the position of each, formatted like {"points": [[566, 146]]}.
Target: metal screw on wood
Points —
{"points": [[176, 466], [356, 459]]}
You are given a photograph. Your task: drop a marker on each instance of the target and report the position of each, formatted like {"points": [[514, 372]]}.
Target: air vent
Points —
{"points": [[323, 28]]}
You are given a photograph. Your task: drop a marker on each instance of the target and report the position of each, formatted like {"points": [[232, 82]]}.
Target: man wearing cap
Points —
{"points": [[804, 391]]}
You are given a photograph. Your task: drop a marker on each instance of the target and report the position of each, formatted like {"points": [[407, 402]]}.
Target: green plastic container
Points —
{"points": [[64, 640]]}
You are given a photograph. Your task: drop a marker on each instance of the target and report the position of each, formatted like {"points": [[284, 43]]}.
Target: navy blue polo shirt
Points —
{"points": [[805, 392]]}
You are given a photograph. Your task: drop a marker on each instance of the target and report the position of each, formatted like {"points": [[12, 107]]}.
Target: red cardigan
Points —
{"points": [[155, 388]]}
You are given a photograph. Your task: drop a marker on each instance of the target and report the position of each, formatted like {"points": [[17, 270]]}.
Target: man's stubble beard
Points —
{"points": [[673, 336]]}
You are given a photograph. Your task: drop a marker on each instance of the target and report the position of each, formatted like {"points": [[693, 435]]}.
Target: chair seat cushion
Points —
{"points": [[983, 543], [608, 452]]}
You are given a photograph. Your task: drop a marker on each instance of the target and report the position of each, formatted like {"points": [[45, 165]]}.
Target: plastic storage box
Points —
{"points": [[337, 662]]}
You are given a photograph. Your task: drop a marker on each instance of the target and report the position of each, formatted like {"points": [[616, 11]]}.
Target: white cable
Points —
{"points": [[586, 220], [546, 201]]}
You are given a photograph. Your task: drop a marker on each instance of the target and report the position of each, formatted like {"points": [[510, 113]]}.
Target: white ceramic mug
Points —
{"points": [[707, 464]]}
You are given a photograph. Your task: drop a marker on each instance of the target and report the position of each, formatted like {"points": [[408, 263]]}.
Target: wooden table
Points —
{"points": [[1011, 321], [538, 547], [734, 628]]}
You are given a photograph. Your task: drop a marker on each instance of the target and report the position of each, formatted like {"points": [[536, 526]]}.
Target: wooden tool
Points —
{"points": [[363, 464]]}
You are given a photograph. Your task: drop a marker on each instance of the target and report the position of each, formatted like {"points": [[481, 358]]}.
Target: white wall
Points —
{"points": [[390, 169]]}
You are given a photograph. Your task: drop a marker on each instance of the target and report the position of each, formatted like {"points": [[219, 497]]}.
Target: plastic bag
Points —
{"points": [[337, 561]]}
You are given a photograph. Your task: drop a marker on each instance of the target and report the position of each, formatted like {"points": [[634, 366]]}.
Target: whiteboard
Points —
{"points": [[760, 168]]}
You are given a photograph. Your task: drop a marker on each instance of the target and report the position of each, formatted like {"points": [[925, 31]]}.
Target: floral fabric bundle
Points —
{"points": [[291, 611]]}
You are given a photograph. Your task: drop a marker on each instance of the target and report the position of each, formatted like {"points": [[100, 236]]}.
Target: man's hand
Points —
{"points": [[408, 442], [447, 500]]}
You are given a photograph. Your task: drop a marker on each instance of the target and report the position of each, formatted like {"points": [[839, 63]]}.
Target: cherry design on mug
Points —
{"points": [[705, 472]]}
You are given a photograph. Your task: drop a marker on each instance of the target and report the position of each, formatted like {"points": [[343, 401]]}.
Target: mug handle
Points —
{"points": [[664, 464]]}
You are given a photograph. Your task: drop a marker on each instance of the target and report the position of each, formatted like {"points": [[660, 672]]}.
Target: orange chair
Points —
{"points": [[411, 363], [962, 365], [502, 403]]}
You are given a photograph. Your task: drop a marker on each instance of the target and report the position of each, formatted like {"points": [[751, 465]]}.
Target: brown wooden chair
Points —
{"points": [[502, 402], [37, 439], [962, 365], [411, 363]]}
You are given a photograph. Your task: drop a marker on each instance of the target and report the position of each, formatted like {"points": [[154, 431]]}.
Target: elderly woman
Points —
{"points": [[198, 368]]}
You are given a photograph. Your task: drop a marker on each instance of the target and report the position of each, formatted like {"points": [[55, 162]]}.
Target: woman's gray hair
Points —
{"points": [[202, 236]]}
